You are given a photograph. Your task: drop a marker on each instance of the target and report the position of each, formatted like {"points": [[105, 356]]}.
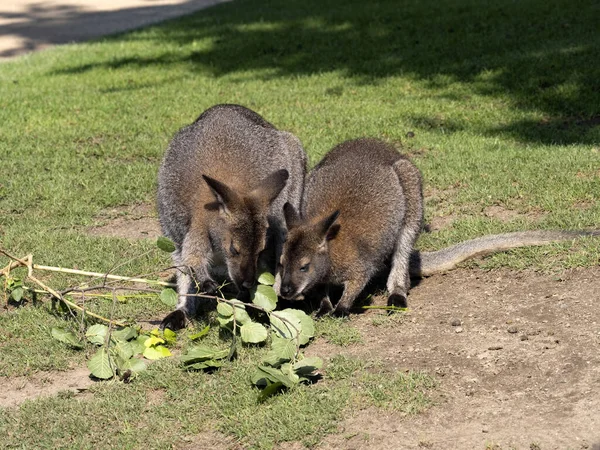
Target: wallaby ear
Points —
{"points": [[291, 215], [270, 187], [328, 228], [226, 197]]}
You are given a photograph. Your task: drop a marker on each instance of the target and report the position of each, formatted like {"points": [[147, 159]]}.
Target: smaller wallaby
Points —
{"points": [[362, 208], [221, 190]]}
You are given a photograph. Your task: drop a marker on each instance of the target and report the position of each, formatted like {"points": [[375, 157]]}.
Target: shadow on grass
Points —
{"points": [[539, 54]]}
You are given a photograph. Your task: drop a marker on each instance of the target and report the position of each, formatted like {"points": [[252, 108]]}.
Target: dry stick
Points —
{"points": [[103, 275], [30, 266]]}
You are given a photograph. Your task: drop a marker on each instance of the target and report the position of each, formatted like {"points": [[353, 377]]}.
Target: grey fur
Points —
{"points": [[378, 195], [246, 161], [423, 264]]}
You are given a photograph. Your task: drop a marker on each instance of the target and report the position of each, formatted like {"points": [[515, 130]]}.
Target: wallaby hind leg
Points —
{"points": [[192, 277], [398, 282]]}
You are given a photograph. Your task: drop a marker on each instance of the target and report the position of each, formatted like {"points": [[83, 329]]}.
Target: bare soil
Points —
{"points": [[521, 370], [15, 390], [516, 356], [127, 222]]}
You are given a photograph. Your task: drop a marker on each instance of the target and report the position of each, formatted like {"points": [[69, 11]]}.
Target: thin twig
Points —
{"points": [[27, 262], [103, 275], [386, 308]]}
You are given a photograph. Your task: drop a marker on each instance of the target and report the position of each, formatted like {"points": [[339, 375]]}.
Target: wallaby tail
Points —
{"points": [[424, 264]]}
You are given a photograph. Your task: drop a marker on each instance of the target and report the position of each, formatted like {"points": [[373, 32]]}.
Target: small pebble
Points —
{"points": [[524, 337], [512, 329], [456, 323], [459, 329], [495, 347]]}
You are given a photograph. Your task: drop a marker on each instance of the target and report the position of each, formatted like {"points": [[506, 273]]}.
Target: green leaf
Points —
{"points": [[265, 297], [124, 334], [100, 365], [288, 328], [201, 353], [123, 349], [165, 244], [208, 364], [282, 350], [168, 296], [66, 337], [270, 390], [288, 371], [306, 323], [137, 345], [273, 375], [136, 365], [240, 313], [224, 309], [170, 336], [96, 334], [307, 366], [153, 341], [200, 334], [155, 332], [157, 352], [266, 278], [225, 322], [17, 294], [253, 333]]}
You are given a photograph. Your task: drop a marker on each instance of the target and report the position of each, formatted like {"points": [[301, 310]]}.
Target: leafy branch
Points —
{"points": [[122, 347]]}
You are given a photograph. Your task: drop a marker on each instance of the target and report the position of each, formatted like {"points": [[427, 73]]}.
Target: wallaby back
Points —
{"points": [[222, 183], [353, 214]]}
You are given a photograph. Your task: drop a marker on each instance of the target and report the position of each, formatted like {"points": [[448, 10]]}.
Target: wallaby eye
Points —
{"points": [[234, 251], [304, 268]]}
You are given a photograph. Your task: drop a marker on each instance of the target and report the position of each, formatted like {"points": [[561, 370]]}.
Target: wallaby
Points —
{"points": [[221, 189], [362, 209]]}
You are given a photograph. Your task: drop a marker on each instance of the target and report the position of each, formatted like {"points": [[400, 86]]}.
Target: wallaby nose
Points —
{"points": [[286, 290], [247, 284]]}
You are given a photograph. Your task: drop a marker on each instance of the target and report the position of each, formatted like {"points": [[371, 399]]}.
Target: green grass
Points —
{"points": [[500, 98], [338, 331]]}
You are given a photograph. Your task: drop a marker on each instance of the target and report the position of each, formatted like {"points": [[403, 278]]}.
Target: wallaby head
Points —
{"points": [[245, 216], [305, 259]]}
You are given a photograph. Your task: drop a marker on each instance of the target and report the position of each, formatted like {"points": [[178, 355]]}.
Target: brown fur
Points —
{"points": [[362, 205]]}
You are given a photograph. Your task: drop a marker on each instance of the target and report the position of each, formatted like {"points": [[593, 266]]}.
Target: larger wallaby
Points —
{"points": [[362, 209], [221, 189]]}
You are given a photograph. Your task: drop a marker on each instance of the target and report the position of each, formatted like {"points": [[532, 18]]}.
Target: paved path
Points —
{"points": [[29, 25]]}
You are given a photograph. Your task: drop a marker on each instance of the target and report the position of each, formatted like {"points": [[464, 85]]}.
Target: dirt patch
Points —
{"points": [[507, 215], [208, 439], [516, 354], [129, 222], [439, 223], [16, 390]]}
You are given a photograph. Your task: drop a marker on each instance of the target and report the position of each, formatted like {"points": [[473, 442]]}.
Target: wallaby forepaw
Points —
{"points": [[324, 308], [209, 287], [174, 321], [341, 311], [398, 300]]}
